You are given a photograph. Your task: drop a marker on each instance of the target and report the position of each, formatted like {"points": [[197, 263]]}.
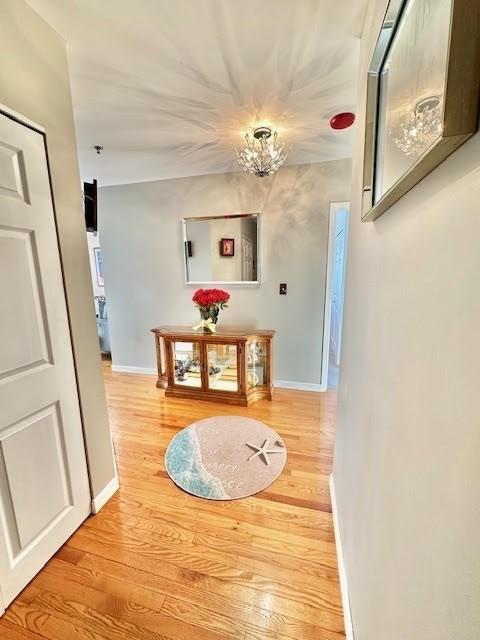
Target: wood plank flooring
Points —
{"points": [[158, 564]]}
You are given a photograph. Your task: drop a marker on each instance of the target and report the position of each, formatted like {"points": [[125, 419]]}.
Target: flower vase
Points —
{"points": [[209, 314], [209, 302]]}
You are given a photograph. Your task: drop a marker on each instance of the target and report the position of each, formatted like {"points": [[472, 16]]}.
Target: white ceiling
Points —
{"points": [[168, 86]]}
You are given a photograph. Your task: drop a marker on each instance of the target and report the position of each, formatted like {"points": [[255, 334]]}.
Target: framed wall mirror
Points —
{"points": [[222, 249], [422, 95]]}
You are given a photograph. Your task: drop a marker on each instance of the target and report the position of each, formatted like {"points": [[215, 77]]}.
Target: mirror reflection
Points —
{"points": [[411, 87], [221, 249]]}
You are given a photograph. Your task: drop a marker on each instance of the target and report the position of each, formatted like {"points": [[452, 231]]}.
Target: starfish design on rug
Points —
{"points": [[262, 451]]}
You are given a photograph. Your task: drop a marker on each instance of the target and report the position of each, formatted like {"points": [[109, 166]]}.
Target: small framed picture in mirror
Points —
{"points": [[227, 247]]}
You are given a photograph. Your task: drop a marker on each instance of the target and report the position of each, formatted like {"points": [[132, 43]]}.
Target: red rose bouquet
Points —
{"points": [[209, 303]]}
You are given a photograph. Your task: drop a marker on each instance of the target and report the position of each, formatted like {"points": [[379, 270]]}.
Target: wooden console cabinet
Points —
{"points": [[231, 366]]}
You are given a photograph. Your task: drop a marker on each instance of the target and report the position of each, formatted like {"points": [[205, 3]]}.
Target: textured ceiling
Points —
{"points": [[167, 87]]}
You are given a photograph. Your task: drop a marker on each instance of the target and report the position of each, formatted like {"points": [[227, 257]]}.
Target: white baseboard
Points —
{"points": [[347, 614], [105, 494], [120, 368], [300, 386], [281, 384]]}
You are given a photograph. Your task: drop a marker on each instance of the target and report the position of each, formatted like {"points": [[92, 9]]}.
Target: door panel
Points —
{"points": [[28, 324], [44, 490], [223, 369], [12, 172], [257, 363], [34, 506], [187, 364]]}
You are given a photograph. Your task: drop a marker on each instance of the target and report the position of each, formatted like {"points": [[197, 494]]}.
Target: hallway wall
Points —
{"points": [[406, 465], [142, 242]]}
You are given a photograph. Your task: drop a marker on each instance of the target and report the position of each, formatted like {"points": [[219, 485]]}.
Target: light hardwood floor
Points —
{"points": [[158, 564]]}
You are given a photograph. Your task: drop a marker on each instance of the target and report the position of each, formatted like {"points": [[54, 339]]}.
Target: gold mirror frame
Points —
{"points": [[460, 113]]}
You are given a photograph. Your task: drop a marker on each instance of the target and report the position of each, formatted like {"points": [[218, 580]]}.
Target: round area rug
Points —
{"points": [[225, 457]]}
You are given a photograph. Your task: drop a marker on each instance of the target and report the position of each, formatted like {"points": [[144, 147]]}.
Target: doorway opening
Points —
{"points": [[96, 269], [334, 293]]}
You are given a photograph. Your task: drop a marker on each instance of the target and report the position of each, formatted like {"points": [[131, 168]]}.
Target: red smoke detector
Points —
{"points": [[342, 120]]}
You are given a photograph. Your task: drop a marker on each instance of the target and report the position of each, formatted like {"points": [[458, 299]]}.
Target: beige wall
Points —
{"points": [[34, 82], [141, 231], [406, 469]]}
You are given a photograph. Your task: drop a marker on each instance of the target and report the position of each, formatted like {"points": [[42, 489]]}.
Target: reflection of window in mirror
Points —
{"points": [[223, 248]]}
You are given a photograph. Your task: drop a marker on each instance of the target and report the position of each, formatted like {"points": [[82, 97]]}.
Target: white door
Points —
{"points": [[338, 286], [247, 259], [44, 490]]}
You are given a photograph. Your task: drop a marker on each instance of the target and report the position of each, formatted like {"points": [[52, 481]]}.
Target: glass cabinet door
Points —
{"points": [[187, 364], [222, 367], [257, 359]]}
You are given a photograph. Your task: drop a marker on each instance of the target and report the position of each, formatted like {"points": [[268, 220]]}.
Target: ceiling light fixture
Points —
{"points": [[262, 154], [422, 128]]}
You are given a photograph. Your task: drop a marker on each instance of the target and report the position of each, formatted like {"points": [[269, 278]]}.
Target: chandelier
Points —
{"points": [[262, 154], [422, 128]]}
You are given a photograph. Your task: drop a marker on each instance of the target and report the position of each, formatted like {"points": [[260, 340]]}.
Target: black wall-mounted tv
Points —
{"points": [[90, 204]]}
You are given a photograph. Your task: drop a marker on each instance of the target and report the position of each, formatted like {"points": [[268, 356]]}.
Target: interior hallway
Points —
{"points": [[157, 563]]}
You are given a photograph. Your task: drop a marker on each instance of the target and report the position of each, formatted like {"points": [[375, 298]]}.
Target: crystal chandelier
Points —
{"points": [[262, 154], [422, 128]]}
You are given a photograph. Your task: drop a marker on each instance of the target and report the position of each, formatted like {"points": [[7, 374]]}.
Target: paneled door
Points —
{"points": [[44, 490]]}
